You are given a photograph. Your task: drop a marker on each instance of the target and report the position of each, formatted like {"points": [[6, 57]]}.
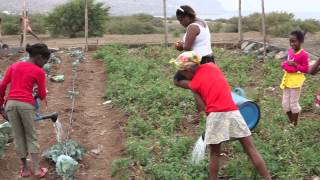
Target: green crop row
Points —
{"points": [[159, 139]]}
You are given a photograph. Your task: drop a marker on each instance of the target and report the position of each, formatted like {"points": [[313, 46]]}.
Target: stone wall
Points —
{"points": [[255, 48]]}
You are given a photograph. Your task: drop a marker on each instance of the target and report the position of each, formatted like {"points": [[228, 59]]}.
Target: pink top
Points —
{"points": [[301, 58]]}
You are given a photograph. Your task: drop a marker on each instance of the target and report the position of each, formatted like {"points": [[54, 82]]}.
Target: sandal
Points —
{"points": [[26, 173], [43, 173]]}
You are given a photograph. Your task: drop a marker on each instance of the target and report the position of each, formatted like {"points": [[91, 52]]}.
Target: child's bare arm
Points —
{"points": [[200, 103], [315, 67], [183, 83]]}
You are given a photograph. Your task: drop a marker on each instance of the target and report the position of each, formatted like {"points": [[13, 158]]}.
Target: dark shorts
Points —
{"points": [[205, 59]]}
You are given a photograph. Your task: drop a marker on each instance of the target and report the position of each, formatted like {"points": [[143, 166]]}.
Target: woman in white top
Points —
{"points": [[197, 39]]}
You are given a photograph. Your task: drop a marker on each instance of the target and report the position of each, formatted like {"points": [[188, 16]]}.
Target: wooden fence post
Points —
{"points": [[24, 15], [264, 30], [0, 28], [240, 23], [165, 22], [86, 24]]}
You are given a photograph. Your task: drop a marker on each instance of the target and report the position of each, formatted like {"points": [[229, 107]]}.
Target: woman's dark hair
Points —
{"points": [[5, 46], [299, 34], [184, 11], [38, 49]]}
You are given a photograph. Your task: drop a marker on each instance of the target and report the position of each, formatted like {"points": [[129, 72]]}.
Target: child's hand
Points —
{"points": [[292, 63]]}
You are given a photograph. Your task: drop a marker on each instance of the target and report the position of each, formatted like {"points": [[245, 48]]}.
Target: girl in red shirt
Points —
{"points": [[224, 121], [19, 108]]}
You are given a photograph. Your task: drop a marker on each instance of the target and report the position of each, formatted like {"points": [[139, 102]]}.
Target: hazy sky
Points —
{"points": [[274, 5], [303, 9]]}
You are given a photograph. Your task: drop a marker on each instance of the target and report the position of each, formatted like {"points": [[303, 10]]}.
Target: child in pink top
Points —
{"points": [[294, 69], [296, 62]]}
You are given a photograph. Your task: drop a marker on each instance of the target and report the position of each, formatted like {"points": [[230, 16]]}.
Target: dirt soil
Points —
{"points": [[312, 42], [96, 126]]}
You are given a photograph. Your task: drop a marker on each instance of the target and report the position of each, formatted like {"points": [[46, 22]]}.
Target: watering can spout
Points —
{"points": [[52, 116]]}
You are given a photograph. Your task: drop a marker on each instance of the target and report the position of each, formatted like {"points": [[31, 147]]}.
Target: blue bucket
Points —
{"points": [[248, 109]]}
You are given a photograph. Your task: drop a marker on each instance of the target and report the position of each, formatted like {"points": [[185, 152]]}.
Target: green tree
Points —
{"points": [[309, 25], [10, 24], [135, 24], [38, 23], [68, 19], [252, 22]]}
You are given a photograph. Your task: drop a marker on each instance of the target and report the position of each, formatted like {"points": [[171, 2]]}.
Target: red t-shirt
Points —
{"points": [[22, 76], [210, 84]]}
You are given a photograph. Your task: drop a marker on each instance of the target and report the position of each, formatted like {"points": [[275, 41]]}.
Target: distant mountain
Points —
{"points": [[119, 7]]}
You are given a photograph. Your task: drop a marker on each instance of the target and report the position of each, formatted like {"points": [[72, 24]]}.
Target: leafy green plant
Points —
{"points": [[11, 23], [70, 148], [68, 19], [66, 166], [5, 134], [278, 24], [159, 146], [39, 23], [135, 24], [120, 168]]}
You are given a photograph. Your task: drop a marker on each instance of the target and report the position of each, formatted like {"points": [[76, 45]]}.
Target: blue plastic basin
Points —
{"points": [[248, 109]]}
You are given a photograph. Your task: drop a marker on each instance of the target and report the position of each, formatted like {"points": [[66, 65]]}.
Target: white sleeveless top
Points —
{"points": [[202, 43]]}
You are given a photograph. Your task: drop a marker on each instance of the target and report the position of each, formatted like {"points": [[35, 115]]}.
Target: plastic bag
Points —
{"points": [[66, 167], [57, 78]]}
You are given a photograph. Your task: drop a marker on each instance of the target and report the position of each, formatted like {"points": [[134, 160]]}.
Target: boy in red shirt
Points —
{"points": [[224, 121], [19, 108]]}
